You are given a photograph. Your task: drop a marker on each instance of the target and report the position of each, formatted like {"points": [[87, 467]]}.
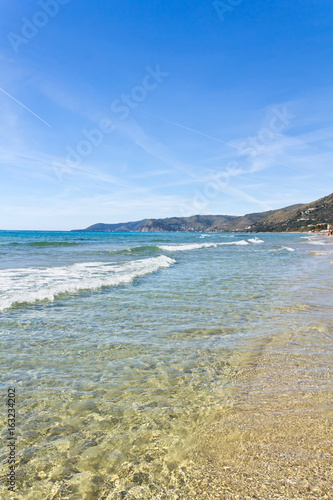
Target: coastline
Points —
{"points": [[229, 400], [275, 439]]}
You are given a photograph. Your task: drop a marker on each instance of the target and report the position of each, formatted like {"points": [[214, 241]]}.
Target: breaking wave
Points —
{"points": [[196, 246], [30, 285]]}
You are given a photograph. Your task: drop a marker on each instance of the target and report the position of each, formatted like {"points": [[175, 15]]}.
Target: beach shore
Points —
{"points": [[276, 440], [229, 396]]}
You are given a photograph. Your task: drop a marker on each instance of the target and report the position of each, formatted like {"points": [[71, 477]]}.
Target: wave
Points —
{"points": [[139, 249], [239, 243], [188, 246], [197, 246], [313, 240], [287, 248], [31, 285], [144, 248], [255, 241]]}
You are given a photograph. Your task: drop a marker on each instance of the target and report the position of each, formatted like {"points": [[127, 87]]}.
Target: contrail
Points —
{"points": [[200, 133], [39, 118], [262, 155]]}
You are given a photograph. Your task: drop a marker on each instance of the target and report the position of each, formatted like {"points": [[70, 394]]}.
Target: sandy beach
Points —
{"points": [[276, 441]]}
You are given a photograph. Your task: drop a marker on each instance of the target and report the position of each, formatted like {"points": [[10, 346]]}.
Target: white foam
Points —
{"points": [[205, 236], [196, 246], [239, 242], [314, 240], [288, 248], [32, 284], [255, 240], [189, 246]]}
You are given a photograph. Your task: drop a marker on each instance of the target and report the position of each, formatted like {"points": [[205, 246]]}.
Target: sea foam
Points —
{"points": [[197, 246], [288, 248], [189, 246], [238, 243], [29, 285], [255, 240]]}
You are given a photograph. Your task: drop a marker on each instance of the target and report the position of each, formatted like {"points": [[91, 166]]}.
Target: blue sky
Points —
{"points": [[123, 110]]}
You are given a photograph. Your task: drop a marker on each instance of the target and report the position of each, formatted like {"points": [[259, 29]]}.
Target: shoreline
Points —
{"points": [[238, 407], [275, 440]]}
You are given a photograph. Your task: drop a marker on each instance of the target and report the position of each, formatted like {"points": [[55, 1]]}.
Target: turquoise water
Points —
{"points": [[123, 347]]}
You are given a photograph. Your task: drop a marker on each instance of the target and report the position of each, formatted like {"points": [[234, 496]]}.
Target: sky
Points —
{"points": [[120, 110]]}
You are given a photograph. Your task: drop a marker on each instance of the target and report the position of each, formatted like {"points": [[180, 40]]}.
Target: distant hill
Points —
{"points": [[300, 217], [197, 223], [246, 222], [120, 227], [312, 216]]}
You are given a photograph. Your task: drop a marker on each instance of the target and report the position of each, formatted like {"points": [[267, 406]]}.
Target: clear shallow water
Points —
{"points": [[125, 348]]}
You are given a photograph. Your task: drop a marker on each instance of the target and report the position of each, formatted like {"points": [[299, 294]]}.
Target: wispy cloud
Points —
{"points": [[132, 130]]}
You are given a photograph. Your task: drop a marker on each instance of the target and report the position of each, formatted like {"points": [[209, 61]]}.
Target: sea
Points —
{"points": [[160, 365]]}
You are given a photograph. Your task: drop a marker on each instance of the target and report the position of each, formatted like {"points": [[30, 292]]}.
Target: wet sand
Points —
{"points": [[276, 439]]}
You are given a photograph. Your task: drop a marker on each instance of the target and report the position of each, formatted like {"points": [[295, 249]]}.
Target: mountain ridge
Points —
{"points": [[298, 217]]}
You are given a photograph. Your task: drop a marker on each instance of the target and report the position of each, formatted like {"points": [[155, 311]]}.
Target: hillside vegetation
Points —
{"points": [[312, 216]]}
